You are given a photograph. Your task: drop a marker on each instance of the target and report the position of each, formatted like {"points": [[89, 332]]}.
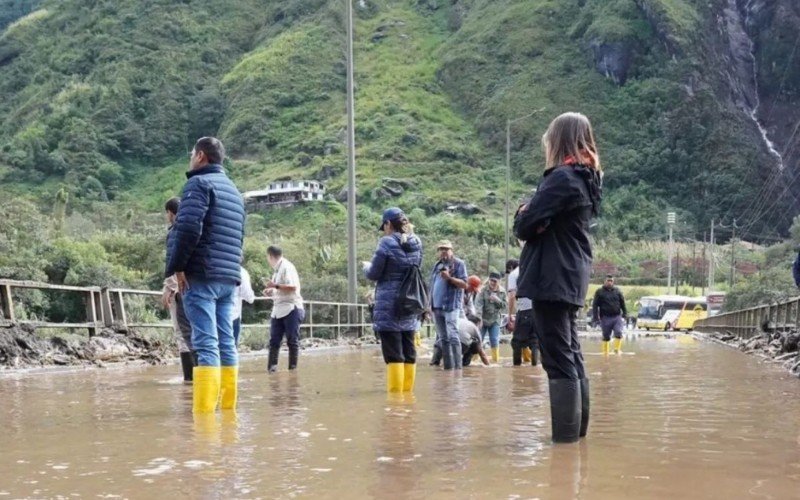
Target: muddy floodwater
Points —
{"points": [[672, 418]]}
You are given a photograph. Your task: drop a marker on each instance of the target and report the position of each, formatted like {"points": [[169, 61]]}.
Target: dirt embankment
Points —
{"points": [[778, 347], [20, 347]]}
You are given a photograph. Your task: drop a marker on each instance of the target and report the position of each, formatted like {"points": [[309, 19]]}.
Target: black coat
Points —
{"points": [[556, 261], [608, 302]]}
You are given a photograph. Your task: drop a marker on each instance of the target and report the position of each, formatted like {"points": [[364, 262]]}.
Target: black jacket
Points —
{"points": [[608, 302], [556, 260], [206, 240]]}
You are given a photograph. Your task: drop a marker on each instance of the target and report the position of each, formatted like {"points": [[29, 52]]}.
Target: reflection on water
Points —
{"points": [[672, 418]]}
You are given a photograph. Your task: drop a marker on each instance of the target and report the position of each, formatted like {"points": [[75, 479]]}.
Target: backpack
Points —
{"points": [[412, 295]]}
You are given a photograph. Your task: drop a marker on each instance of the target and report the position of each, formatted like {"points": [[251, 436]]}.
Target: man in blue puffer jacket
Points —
{"points": [[205, 254], [398, 251]]}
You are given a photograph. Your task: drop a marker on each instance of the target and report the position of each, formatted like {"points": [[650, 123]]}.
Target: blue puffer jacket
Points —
{"points": [[389, 265], [206, 239], [796, 270]]}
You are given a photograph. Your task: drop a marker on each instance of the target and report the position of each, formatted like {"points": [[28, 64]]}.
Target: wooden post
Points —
{"points": [[311, 320], [7, 302], [91, 313], [338, 321], [106, 307], [119, 309]]}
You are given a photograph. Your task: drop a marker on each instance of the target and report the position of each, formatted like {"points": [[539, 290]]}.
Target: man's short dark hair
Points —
{"points": [[511, 264], [275, 251], [172, 205], [609, 277], [213, 149]]}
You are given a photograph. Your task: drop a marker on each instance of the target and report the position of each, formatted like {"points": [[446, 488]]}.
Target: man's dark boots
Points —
{"points": [[436, 359], [584, 406], [565, 409], [516, 352], [187, 364], [294, 352], [272, 363]]}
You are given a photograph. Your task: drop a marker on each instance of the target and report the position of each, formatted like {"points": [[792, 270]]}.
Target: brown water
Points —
{"points": [[675, 419]]}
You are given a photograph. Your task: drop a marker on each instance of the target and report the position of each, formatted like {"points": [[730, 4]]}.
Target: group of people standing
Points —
{"points": [[548, 288], [550, 285]]}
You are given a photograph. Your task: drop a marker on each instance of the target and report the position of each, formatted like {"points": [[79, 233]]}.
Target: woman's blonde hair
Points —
{"points": [[570, 135]]}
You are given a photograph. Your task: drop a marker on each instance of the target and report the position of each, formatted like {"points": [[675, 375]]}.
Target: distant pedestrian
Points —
{"points": [[399, 251], [287, 309], [608, 308], [470, 295], [490, 305], [205, 255], [796, 269], [448, 282], [556, 262], [171, 300], [244, 293]]}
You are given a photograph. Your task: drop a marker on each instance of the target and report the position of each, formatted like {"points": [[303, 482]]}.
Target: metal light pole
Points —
{"points": [[508, 173], [670, 223], [352, 279]]}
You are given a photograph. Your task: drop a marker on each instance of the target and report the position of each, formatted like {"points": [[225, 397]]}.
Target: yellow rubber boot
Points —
{"points": [[409, 376], [395, 373], [617, 346], [526, 355], [496, 354], [205, 390], [229, 381], [417, 339], [605, 347]]}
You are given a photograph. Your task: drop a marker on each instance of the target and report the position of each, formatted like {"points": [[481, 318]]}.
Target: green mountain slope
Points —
{"points": [[102, 99]]}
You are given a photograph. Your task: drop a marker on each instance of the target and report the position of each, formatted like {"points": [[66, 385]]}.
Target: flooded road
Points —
{"points": [[675, 418]]}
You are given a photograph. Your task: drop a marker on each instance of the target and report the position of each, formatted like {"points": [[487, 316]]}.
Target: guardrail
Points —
{"points": [[108, 307], [749, 322]]}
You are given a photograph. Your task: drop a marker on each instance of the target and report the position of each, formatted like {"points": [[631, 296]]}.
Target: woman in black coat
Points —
{"points": [[556, 262]]}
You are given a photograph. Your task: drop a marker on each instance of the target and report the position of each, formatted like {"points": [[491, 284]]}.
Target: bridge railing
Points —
{"points": [[747, 323], [130, 308]]}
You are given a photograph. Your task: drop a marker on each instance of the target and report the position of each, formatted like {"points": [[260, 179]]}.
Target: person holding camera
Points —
{"points": [[448, 282]]}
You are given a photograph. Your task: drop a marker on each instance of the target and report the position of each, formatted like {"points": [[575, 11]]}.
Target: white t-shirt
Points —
{"points": [[284, 302], [523, 303], [244, 292]]}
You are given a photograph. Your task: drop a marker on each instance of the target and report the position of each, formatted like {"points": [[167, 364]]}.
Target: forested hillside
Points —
{"points": [[102, 99]]}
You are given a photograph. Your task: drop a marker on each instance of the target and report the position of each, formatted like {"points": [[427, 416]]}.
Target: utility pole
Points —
{"points": [[678, 271], [352, 279], [733, 255], [711, 262], [703, 269], [670, 223], [508, 184]]}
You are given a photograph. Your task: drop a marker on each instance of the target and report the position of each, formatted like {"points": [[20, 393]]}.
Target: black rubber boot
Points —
{"points": [[294, 353], [565, 409], [187, 364], [447, 356], [516, 352], [272, 364], [535, 355], [457, 355], [436, 359], [584, 406]]}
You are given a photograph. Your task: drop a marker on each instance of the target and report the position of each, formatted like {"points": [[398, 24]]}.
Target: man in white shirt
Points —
{"points": [[244, 293], [287, 308]]}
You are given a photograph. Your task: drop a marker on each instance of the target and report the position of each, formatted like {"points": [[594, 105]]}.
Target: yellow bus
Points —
{"points": [[670, 312]]}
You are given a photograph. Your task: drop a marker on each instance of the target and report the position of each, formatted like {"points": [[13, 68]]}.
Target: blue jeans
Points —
{"points": [[494, 334], [209, 305], [447, 333]]}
